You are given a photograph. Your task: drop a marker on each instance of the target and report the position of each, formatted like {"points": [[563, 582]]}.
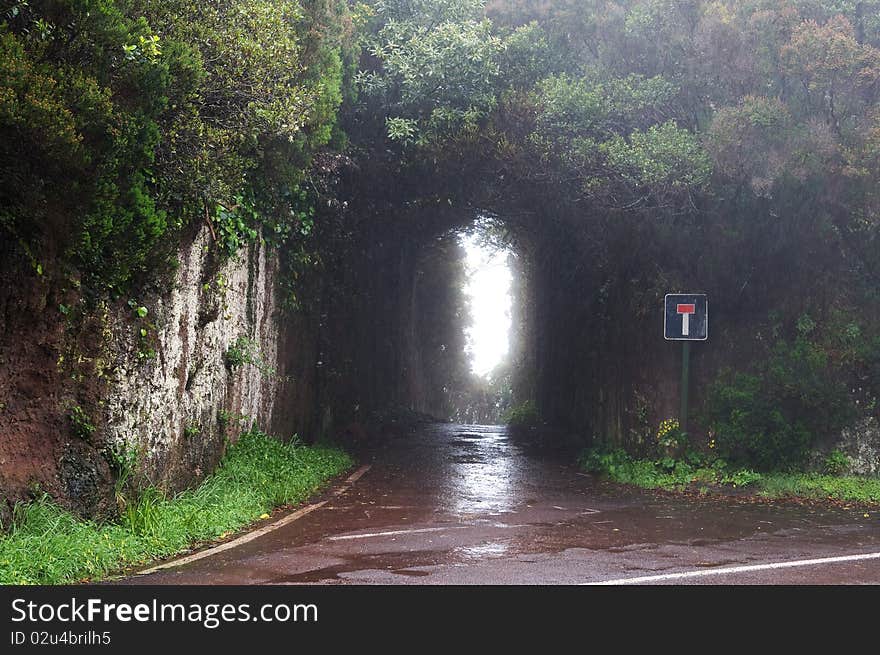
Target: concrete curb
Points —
{"points": [[259, 532]]}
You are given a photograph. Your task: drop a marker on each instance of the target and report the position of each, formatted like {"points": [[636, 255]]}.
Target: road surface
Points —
{"points": [[459, 504]]}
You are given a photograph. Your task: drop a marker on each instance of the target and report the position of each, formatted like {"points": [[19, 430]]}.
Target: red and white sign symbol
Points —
{"points": [[686, 311]]}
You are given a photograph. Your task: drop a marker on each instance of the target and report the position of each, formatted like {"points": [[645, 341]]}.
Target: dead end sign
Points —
{"points": [[686, 317]]}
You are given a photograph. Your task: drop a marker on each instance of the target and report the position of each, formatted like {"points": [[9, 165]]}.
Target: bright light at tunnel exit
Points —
{"points": [[488, 289]]}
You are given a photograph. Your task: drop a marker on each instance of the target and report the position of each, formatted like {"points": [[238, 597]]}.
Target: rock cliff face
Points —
{"points": [[162, 382], [861, 444], [210, 366]]}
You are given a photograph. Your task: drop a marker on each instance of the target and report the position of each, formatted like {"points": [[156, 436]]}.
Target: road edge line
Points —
{"points": [[258, 532], [750, 568]]}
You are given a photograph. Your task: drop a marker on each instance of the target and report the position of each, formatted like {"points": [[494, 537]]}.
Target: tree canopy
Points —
{"points": [[124, 121]]}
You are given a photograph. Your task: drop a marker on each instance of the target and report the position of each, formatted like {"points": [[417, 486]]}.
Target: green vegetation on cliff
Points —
{"points": [[122, 122]]}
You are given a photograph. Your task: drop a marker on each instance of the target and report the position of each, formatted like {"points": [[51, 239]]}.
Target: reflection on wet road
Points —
{"points": [[482, 475], [458, 504]]}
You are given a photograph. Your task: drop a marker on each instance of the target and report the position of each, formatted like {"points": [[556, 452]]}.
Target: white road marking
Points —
{"points": [[390, 533], [738, 569], [250, 536]]}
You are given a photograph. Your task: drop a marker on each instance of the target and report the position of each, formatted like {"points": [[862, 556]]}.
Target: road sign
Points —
{"points": [[686, 317]]}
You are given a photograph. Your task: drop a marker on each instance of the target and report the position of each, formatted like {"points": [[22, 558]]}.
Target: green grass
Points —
{"points": [[664, 473], [48, 545], [813, 485], [676, 475]]}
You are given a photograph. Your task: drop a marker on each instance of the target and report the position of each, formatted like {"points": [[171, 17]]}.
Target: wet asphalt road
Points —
{"points": [[456, 504]]}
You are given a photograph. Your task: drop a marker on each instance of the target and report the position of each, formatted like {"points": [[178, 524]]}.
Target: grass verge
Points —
{"points": [[48, 545], [813, 485], [678, 475]]}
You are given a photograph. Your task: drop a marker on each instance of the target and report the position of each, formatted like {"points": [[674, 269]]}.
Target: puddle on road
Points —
{"points": [[483, 551], [484, 478], [468, 459], [401, 563], [463, 443]]}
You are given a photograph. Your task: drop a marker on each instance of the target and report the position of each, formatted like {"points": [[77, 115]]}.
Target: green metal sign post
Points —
{"points": [[686, 319], [685, 379]]}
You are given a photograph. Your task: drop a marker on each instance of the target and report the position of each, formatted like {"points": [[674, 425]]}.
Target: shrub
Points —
{"points": [[122, 121], [81, 423], [596, 460], [243, 351], [836, 463], [523, 415], [670, 438], [246, 351], [743, 478], [771, 418], [79, 115], [665, 473]]}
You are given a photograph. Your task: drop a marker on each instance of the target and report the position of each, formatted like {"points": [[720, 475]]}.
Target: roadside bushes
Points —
{"points": [[664, 473], [523, 415], [774, 415], [704, 476], [770, 424]]}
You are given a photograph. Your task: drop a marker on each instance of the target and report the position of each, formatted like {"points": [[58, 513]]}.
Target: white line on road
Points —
{"points": [[389, 533], [737, 569], [250, 536]]}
